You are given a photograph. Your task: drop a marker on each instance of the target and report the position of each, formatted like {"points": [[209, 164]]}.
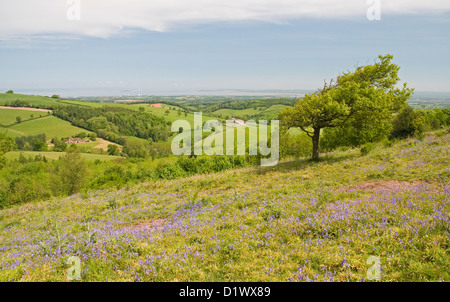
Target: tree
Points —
{"points": [[141, 109], [92, 136], [167, 112], [37, 144], [6, 144], [363, 99], [9, 91], [408, 123], [59, 145], [113, 150], [55, 96], [72, 172], [136, 148], [18, 119]]}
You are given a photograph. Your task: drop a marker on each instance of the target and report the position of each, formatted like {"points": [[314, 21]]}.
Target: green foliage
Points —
{"points": [[408, 123], [59, 145], [6, 145], [112, 122], [294, 144], [113, 149], [9, 91], [92, 136], [56, 96], [18, 119], [367, 148], [170, 171], [136, 148], [72, 172], [361, 102], [32, 142]]}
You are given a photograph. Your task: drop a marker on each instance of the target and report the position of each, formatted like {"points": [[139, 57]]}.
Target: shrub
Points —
{"points": [[408, 123], [367, 148], [72, 172], [113, 149], [188, 164], [170, 171]]}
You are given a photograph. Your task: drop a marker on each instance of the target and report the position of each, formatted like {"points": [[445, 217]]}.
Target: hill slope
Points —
{"points": [[298, 221]]}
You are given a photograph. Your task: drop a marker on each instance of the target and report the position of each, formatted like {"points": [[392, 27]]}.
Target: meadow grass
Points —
{"points": [[298, 221], [8, 116], [34, 100], [51, 126]]}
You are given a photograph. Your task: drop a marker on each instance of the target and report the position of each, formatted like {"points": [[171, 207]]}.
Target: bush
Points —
{"points": [[188, 164], [72, 172], [59, 145], [170, 171], [9, 91], [112, 177], [367, 148], [113, 149], [221, 163], [136, 148], [408, 123]]}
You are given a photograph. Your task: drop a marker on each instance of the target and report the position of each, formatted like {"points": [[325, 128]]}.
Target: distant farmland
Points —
{"points": [[51, 126]]}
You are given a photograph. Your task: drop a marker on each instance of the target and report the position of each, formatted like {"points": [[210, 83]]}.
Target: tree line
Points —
{"points": [[113, 123]]}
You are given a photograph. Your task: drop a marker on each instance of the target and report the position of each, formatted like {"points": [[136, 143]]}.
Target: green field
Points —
{"points": [[51, 126], [56, 155], [265, 113], [34, 100], [8, 116], [236, 113]]}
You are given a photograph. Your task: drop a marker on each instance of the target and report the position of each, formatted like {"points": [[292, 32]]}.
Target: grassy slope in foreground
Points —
{"points": [[298, 221]]}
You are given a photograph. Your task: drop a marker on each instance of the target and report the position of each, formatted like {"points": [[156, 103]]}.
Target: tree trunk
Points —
{"points": [[315, 141]]}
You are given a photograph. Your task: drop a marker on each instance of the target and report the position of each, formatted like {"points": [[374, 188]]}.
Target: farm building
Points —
{"points": [[155, 105], [76, 140], [237, 121]]}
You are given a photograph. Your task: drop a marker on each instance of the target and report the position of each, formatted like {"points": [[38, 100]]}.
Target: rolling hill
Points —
{"points": [[298, 221]]}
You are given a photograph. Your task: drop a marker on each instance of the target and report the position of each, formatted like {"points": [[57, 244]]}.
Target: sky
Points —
{"points": [[119, 47]]}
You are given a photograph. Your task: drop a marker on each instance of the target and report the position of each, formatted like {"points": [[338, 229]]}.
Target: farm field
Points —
{"points": [[14, 155], [298, 221], [8, 116], [51, 126], [35, 100]]}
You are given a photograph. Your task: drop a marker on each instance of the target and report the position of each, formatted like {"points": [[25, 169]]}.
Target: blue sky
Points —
{"points": [[296, 52]]}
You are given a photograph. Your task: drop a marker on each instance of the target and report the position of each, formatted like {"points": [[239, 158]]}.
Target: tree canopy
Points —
{"points": [[362, 100]]}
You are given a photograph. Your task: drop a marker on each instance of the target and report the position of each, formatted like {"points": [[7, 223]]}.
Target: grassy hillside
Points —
{"points": [[8, 116], [51, 126], [34, 100], [298, 221]]}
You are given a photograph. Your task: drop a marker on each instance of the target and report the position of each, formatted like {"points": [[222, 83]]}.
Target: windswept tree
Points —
{"points": [[363, 100]]}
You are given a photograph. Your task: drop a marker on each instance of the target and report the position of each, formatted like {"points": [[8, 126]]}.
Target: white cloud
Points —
{"points": [[104, 18]]}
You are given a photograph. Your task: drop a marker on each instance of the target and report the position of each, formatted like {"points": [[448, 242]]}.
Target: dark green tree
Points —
{"points": [[408, 123], [113, 149], [72, 172]]}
